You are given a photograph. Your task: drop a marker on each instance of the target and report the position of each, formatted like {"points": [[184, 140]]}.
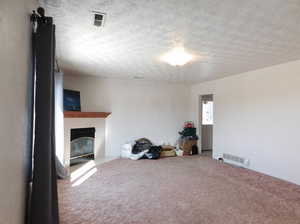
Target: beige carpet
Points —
{"points": [[191, 190]]}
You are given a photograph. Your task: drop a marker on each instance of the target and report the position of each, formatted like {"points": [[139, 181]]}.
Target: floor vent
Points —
{"points": [[235, 160]]}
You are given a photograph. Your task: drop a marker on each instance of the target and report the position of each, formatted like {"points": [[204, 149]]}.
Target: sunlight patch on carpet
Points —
{"points": [[83, 178], [82, 170]]}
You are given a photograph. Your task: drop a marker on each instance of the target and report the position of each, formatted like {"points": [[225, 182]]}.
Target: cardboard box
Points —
{"points": [[187, 145], [167, 147], [169, 153]]}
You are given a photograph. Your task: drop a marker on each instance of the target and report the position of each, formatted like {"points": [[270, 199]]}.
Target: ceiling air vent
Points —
{"points": [[138, 77], [99, 19]]}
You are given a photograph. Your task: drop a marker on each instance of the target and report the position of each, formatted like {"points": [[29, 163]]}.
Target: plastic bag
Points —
{"points": [[126, 151], [179, 152], [141, 145], [154, 152], [138, 156]]}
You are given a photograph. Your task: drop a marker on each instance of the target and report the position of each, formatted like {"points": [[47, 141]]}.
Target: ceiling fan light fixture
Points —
{"points": [[177, 57]]}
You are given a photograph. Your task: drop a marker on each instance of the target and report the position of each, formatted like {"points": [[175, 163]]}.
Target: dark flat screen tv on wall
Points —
{"points": [[71, 100]]}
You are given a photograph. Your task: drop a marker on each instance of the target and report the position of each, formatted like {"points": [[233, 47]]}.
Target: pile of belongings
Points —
{"points": [[140, 149], [143, 148], [188, 139]]}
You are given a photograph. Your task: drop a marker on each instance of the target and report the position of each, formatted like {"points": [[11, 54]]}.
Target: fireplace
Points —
{"points": [[82, 145]]}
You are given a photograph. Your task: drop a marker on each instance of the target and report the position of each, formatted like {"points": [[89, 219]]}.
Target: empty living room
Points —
{"points": [[150, 111]]}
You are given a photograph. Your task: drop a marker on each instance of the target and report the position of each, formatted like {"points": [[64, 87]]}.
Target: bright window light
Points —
{"points": [[207, 113], [177, 57]]}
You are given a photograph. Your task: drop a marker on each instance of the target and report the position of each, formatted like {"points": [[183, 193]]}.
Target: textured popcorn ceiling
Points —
{"points": [[226, 36]]}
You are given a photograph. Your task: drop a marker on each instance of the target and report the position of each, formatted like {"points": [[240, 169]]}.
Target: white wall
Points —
{"points": [[139, 108], [257, 116], [14, 88]]}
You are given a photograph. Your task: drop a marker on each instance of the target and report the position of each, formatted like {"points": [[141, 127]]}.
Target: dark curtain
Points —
{"points": [[44, 199]]}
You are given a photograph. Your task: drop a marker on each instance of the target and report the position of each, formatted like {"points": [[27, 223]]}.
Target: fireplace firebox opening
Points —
{"points": [[82, 145]]}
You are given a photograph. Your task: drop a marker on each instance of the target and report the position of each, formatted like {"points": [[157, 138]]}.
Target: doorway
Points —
{"points": [[206, 124]]}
